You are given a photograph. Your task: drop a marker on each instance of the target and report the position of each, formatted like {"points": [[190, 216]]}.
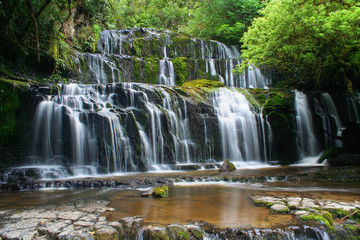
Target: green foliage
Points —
{"points": [[310, 42], [159, 14], [223, 20], [9, 103]]}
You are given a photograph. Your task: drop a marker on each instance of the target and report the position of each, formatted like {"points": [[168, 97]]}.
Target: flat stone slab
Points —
{"points": [[279, 208]]}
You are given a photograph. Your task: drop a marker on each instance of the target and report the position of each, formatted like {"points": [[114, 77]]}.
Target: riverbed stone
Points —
{"points": [[25, 234], [99, 225], [147, 193], [196, 231], [308, 203], [178, 232], [279, 208], [293, 205], [47, 215], [84, 224], [267, 200], [55, 227], [73, 215], [107, 233], [76, 236], [89, 218], [115, 225], [300, 213], [155, 233]]}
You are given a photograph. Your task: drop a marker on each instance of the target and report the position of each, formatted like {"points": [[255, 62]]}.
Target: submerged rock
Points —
{"points": [[227, 166]]}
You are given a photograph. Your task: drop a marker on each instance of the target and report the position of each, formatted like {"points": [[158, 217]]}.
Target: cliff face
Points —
{"points": [[121, 123]]}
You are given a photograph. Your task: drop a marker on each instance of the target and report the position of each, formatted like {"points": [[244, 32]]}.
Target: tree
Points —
{"points": [[223, 20], [311, 43]]}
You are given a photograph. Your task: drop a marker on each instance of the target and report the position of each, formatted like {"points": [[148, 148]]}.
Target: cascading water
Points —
{"points": [[71, 118], [307, 142], [331, 123], [239, 127], [124, 56]]}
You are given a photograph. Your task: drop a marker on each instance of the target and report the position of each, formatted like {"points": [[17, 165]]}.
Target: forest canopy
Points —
{"points": [[309, 43]]}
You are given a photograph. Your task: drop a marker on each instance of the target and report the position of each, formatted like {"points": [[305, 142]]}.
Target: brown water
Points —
{"points": [[217, 204], [223, 204]]}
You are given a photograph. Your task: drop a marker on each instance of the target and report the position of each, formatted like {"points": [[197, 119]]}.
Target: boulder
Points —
{"points": [[161, 192], [227, 166]]}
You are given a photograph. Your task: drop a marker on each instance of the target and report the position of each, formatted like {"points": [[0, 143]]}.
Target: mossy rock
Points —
{"points": [[161, 192], [178, 232], [279, 209], [203, 83], [329, 153], [227, 166], [158, 233], [323, 218]]}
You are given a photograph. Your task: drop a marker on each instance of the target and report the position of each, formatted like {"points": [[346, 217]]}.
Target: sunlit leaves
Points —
{"points": [[306, 40]]}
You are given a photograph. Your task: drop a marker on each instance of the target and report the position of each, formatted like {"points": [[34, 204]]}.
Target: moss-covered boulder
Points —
{"points": [[279, 209], [161, 192], [227, 166]]}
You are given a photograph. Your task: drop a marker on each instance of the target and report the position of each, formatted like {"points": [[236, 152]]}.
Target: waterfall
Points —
{"points": [[331, 123], [167, 73], [239, 128], [71, 118], [307, 142]]}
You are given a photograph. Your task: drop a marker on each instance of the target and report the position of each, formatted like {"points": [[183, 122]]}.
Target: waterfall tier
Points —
{"points": [[163, 57], [136, 127]]}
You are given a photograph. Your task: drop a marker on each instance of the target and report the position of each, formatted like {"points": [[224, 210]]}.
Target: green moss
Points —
{"points": [[354, 230], [339, 213], [260, 203], [183, 235], [181, 69], [181, 40], [151, 71], [136, 69], [319, 218], [161, 192], [203, 83], [159, 235], [138, 45]]}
